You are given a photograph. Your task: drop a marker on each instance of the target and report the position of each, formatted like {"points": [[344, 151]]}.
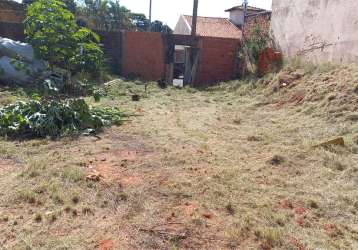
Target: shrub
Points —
{"points": [[258, 41], [55, 118]]}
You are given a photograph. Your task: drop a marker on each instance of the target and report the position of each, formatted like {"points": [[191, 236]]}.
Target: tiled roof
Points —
{"points": [[249, 8], [215, 27]]}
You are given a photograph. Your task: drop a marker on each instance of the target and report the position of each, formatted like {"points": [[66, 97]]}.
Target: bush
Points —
{"points": [[55, 118], [257, 42], [52, 31]]}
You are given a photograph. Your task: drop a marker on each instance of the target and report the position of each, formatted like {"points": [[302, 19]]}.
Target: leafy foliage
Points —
{"points": [[105, 15], [158, 26], [111, 16], [52, 30], [70, 4], [55, 118], [88, 55], [141, 22]]}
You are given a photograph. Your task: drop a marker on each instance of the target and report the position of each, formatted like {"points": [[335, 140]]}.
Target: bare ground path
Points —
{"points": [[196, 170]]}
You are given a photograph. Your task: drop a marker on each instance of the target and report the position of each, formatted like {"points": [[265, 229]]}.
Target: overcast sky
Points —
{"points": [[169, 11]]}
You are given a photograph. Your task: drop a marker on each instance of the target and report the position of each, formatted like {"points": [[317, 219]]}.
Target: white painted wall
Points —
{"points": [[321, 30], [182, 27], [237, 17]]}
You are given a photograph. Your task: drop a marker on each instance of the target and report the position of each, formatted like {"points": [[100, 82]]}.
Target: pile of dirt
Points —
{"points": [[330, 92]]}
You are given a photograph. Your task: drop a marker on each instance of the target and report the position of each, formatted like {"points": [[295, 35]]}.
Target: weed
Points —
{"points": [[67, 209], [186, 154], [75, 199], [51, 217], [230, 209], [313, 204], [27, 196], [7, 149], [73, 174], [38, 218], [277, 160], [254, 138], [74, 212], [271, 236], [58, 198], [87, 211]]}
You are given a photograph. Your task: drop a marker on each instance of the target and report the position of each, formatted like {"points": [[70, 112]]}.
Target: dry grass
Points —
{"points": [[227, 168]]}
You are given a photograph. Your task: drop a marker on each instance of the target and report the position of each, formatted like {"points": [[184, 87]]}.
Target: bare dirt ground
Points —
{"points": [[231, 167]]}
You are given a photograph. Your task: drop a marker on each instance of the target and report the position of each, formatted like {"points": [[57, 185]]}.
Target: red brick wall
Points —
{"points": [[12, 16], [11, 12], [262, 20], [143, 55], [218, 60]]}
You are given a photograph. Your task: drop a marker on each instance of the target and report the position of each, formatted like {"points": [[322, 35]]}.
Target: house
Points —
{"points": [[11, 12], [232, 27], [255, 17], [237, 14]]}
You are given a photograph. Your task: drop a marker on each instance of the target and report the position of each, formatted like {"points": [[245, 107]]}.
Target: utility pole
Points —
{"points": [[193, 57], [195, 18], [246, 2], [150, 15]]}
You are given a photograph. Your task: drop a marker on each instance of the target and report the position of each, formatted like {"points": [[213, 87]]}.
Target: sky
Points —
{"points": [[168, 11]]}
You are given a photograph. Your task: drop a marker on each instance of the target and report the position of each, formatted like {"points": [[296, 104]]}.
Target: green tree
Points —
{"points": [[70, 4], [105, 15], [140, 21], [158, 26], [52, 31]]}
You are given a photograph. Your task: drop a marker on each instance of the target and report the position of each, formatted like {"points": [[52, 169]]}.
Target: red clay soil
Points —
{"points": [[112, 166], [106, 245]]}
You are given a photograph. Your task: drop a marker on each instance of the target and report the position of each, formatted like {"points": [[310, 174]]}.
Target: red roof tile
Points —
{"points": [[215, 27]]}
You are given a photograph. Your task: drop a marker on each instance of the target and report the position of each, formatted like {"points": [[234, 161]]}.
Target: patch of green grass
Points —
{"points": [[72, 173], [270, 235], [7, 149], [28, 196]]}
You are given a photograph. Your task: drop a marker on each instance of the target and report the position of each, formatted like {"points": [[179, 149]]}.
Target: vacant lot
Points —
{"points": [[231, 167]]}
